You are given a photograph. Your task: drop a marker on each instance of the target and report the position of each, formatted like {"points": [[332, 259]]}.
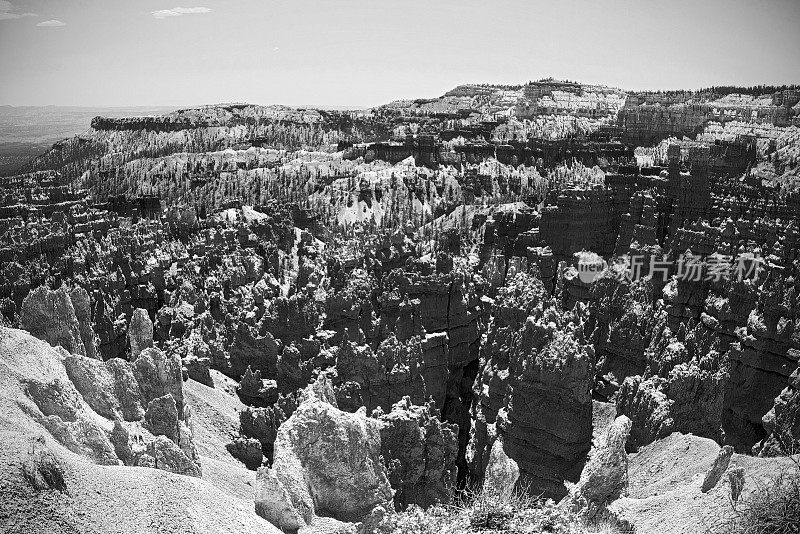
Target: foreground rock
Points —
{"points": [[50, 316], [112, 412], [50, 432], [605, 476], [327, 463]]}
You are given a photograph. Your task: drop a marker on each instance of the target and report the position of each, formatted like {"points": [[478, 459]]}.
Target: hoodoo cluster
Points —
{"points": [[338, 317]]}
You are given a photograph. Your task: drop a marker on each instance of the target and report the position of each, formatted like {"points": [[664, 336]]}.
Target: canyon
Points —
{"points": [[317, 321]]}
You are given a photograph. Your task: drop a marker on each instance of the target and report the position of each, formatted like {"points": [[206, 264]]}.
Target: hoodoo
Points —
{"points": [[550, 306]]}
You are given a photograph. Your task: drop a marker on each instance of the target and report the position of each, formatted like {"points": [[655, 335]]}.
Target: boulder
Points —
{"points": [[186, 436], [55, 397], [50, 316], [68, 419], [262, 424], [122, 442], [327, 463]]}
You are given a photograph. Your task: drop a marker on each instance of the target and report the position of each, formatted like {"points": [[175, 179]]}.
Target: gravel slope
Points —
{"points": [[664, 486]]}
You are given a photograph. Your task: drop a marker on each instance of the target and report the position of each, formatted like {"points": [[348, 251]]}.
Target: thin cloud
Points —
{"points": [[178, 11], [8, 11], [51, 24]]}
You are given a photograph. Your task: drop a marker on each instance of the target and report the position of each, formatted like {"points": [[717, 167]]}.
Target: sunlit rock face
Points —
{"points": [[114, 412], [327, 463], [50, 316]]}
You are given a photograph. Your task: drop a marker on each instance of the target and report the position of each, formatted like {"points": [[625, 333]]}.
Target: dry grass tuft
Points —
{"points": [[772, 509]]}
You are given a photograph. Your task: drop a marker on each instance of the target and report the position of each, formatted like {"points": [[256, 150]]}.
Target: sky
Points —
{"points": [[370, 52]]}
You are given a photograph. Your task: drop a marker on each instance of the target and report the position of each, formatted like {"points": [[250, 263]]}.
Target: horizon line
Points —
{"points": [[361, 107]]}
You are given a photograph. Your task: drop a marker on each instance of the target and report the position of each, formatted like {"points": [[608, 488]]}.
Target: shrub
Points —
{"points": [[772, 509], [486, 513]]}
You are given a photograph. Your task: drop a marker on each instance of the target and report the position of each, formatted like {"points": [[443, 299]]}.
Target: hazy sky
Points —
{"points": [[369, 52]]}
